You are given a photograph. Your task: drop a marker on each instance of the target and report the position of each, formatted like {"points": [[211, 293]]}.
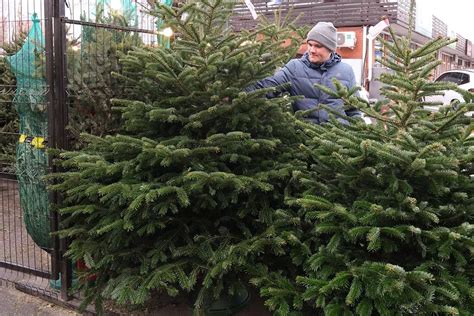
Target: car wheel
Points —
{"points": [[455, 104]]}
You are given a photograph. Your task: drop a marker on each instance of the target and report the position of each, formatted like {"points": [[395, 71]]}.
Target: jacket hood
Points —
{"points": [[334, 59]]}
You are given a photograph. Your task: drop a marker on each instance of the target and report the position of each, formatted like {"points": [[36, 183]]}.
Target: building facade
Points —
{"points": [[353, 18]]}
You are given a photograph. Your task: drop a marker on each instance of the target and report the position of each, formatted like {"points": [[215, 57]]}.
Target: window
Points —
{"points": [[448, 77], [454, 77], [464, 78]]}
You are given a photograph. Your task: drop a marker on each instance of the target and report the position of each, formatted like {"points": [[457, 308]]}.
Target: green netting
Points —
{"points": [[31, 158]]}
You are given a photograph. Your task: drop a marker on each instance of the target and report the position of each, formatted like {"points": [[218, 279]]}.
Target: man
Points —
{"points": [[320, 64]]}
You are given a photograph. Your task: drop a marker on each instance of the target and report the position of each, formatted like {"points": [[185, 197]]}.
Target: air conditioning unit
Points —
{"points": [[346, 39]]}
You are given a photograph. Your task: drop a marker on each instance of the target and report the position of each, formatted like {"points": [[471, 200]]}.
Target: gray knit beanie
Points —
{"points": [[324, 33]]}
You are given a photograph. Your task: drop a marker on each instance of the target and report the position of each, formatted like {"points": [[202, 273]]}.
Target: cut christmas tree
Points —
{"points": [[91, 60], [8, 114], [198, 168], [388, 209]]}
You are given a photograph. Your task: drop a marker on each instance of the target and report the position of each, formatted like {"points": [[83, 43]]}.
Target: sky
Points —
{"points": [[457, 14]]}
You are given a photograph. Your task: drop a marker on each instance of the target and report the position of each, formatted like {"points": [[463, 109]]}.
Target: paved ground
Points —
{"points": [[17, 303]]}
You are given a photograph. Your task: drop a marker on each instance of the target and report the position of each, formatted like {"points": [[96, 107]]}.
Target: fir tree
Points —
{"points": [[91, 60], [198, 171], [8, 115], [388, 210]]}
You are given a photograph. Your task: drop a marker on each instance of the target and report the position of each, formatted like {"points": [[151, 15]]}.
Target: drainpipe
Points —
{"points": [[364, 56], [370, 62]]}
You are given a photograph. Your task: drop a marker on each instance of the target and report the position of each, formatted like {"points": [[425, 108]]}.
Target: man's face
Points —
{"points": [[317, 53]]}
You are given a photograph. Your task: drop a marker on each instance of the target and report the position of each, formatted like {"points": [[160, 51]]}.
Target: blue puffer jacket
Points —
{"points": [[303, 74]]}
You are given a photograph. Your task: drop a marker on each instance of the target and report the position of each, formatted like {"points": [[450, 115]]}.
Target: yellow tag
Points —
{"points": [[22, 138], [38, 142]]}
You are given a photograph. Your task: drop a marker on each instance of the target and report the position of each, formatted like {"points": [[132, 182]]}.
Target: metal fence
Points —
{"points": [[22, 261], [47, 98]]}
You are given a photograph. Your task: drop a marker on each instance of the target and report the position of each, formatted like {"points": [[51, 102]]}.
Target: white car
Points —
{"points": [[463, 78]]}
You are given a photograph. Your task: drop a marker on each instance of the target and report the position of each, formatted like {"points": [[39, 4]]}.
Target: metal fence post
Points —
{"points": [[48, 30], [55, 36]]}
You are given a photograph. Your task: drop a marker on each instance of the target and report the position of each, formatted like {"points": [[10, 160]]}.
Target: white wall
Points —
{"points": [[356, 65]]}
